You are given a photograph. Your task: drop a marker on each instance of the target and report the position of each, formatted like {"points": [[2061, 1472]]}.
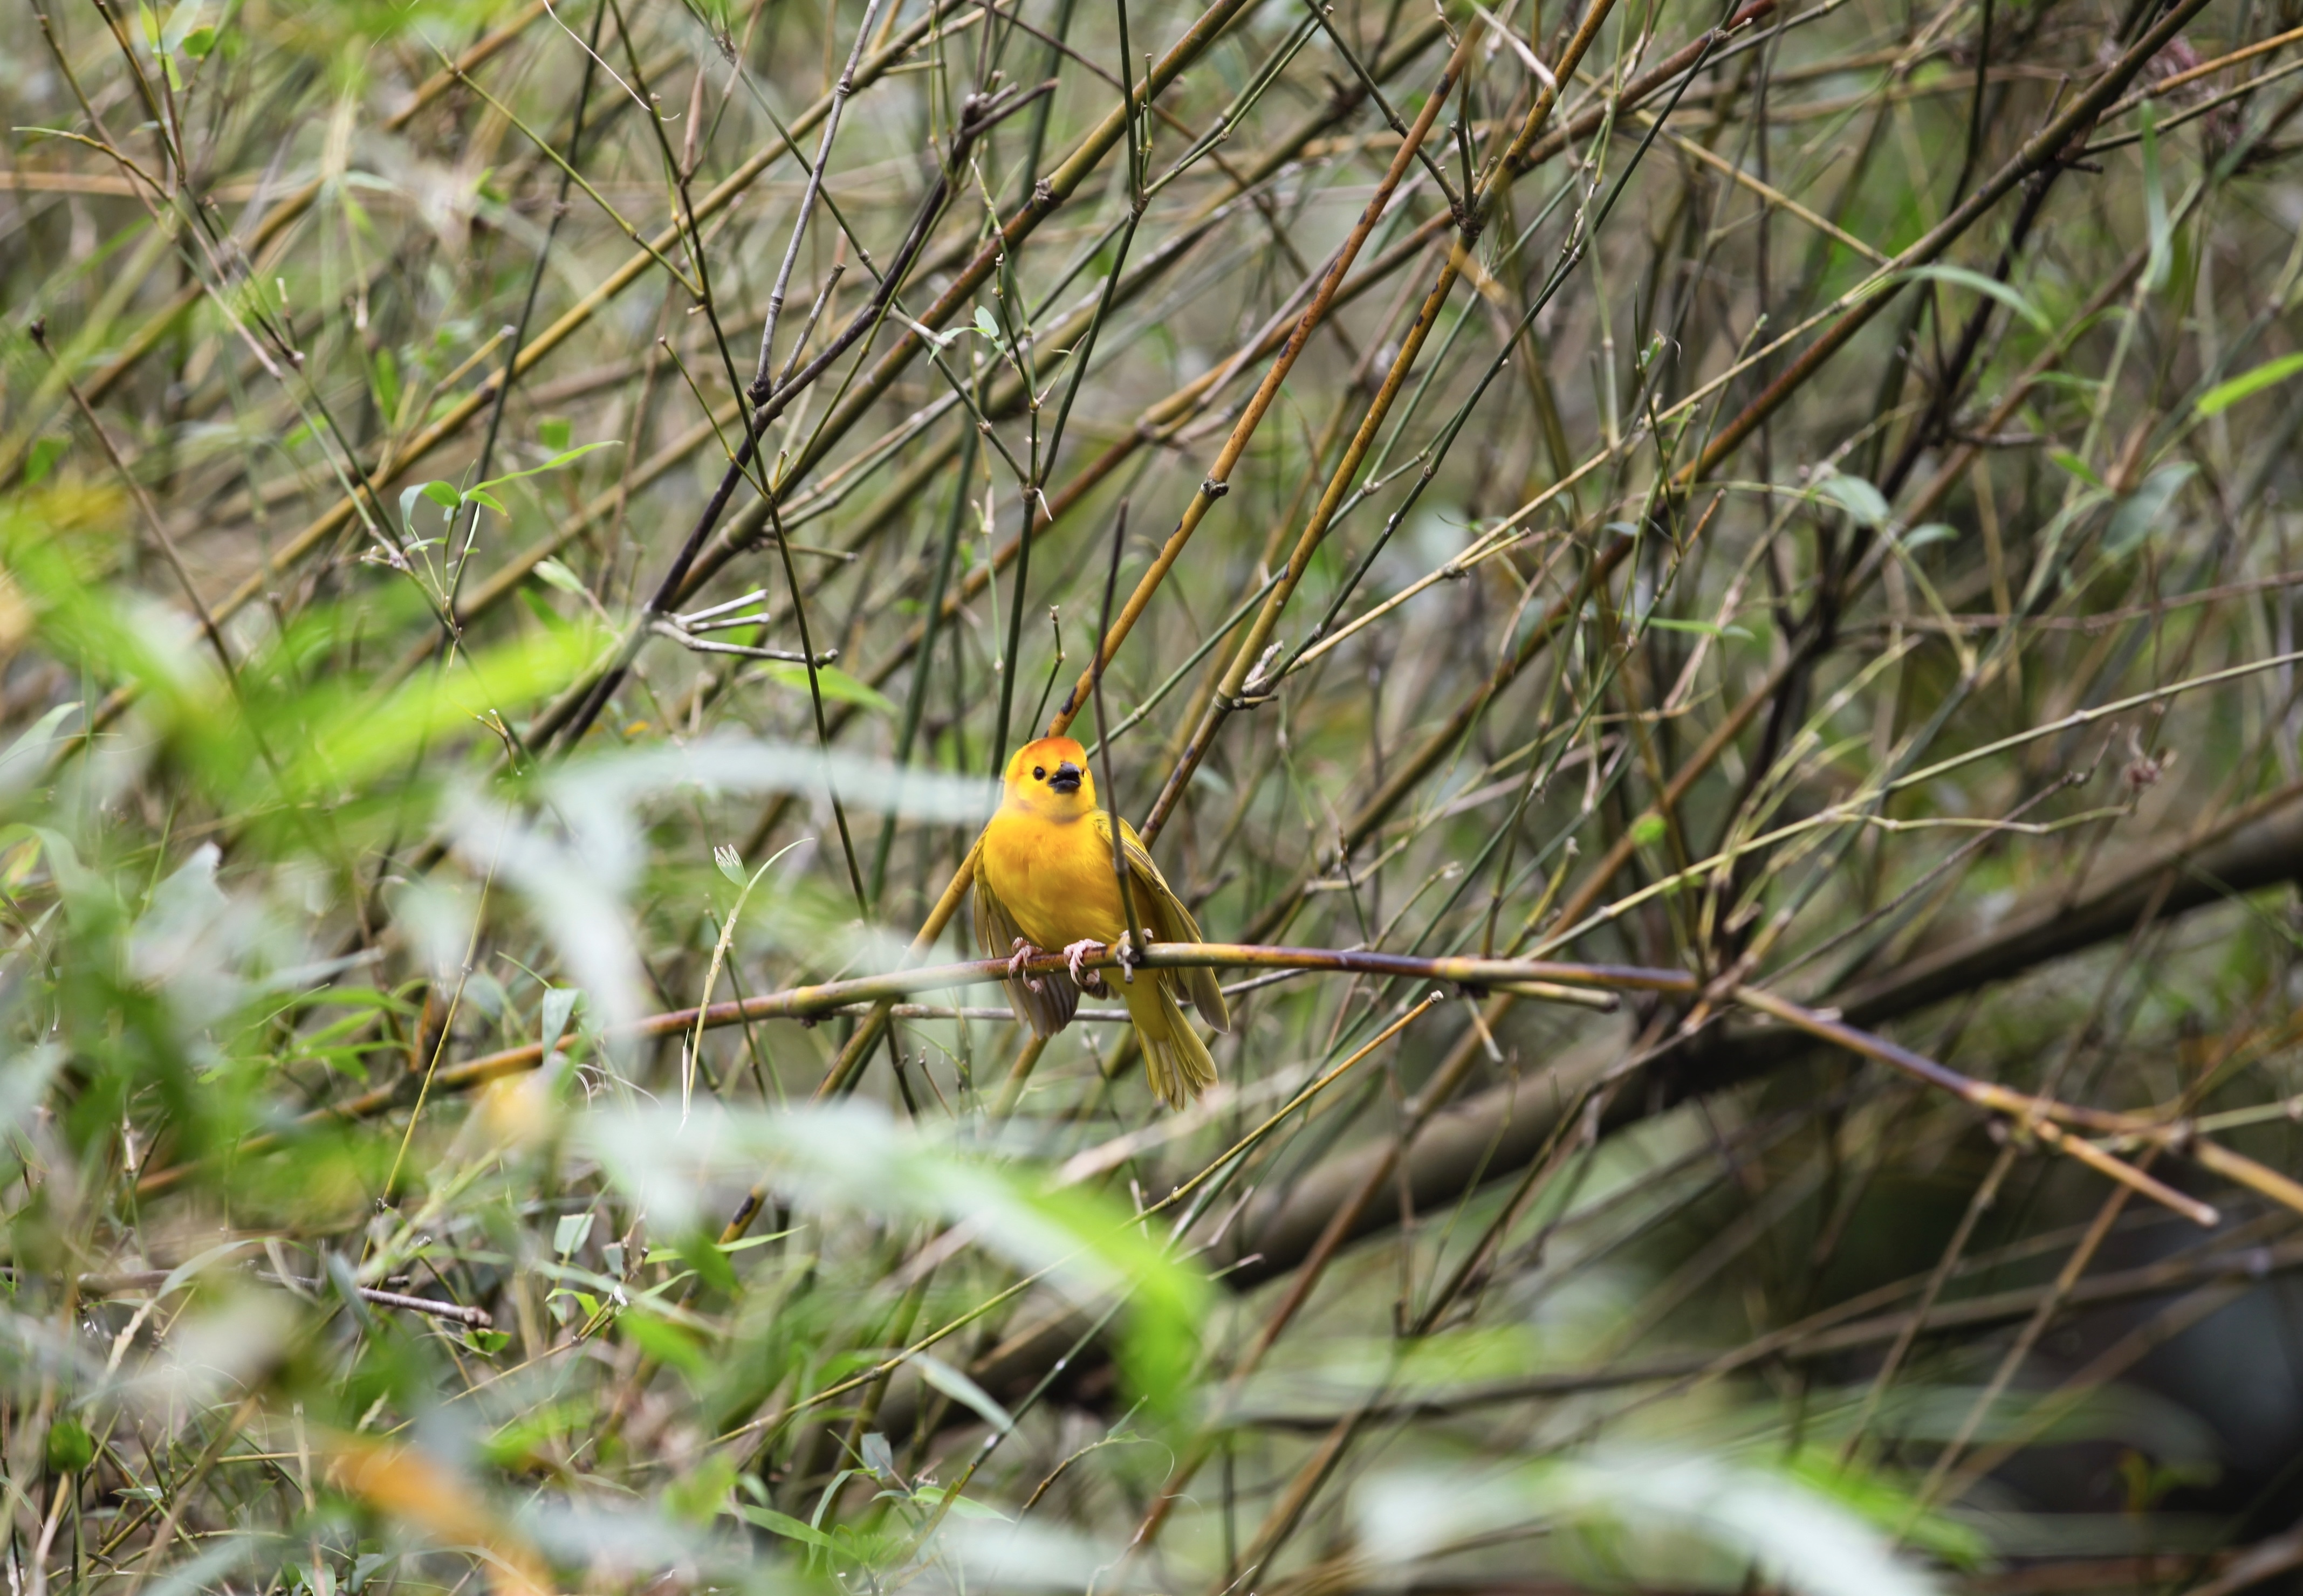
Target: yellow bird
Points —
{"points": [[1045, 880]]}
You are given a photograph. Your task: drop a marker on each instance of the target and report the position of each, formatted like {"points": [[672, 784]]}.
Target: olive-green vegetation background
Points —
{"points": [[517, 520]]}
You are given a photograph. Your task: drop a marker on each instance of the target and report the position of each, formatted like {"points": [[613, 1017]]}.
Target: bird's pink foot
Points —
{"points": [[1025, 951], [1086, 947]]}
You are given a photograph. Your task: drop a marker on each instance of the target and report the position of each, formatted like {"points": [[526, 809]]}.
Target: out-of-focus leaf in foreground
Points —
{"points": [[1658, 1509], [853, 1157]]}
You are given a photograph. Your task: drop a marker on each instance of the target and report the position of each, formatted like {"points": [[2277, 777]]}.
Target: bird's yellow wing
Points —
{"points": [[1168, 920], [1047, 1008]]}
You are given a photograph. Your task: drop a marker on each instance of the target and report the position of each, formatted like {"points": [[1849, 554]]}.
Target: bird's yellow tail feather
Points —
{"points": [[1174, 1056]]}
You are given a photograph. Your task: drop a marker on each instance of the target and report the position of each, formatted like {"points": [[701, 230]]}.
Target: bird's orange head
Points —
{"points": [[1050, 779]]}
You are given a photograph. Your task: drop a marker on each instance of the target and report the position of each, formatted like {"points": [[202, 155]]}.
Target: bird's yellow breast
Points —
{"points": [[1054, 879]]}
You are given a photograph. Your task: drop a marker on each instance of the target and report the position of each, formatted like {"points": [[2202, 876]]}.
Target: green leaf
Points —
{"points": [[698, 1498], [535, 1429], [1934, 532], [346, 736], [1857, 497], [384, 378], [853, 1156], [482, 496], [487, 1342], [541, 608], [2140, 512], [71, 1447], [570, 1233], [786, 1526], [962, 1390], [198, 42], [1648, 830], [44, 455], [835, 685], [407, 498], [961, 1506], [1702, 628], [2222, 396], [986, 325], [179, 27], [702, 1253], [1990, 287], [553, 1015], [554, 432], [34, 741], [553, 463], [560, 577], [2076, 467], [2162, 253], [443, 494], [1798, 1536], [1887, 1507], [731, 862], [362, 998], [664, 1341]]}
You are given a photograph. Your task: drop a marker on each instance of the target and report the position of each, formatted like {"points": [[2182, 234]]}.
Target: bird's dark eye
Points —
{"points": [[1039, 773]]}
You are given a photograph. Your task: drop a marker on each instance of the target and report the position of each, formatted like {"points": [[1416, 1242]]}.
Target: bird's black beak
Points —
{"points": [[1066, 778]]}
